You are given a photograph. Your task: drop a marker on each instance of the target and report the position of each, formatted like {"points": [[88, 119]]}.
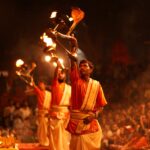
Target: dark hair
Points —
{"points": [[87, 61]]}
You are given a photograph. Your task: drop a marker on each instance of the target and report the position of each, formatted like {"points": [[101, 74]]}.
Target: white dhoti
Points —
{"points": [[59, 138], [42, 131], [84, 136], [90, 141]]}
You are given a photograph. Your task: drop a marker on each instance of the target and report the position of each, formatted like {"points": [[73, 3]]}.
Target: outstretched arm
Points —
{"points": [[34, 86], [73, 53], [54, 34], [74, 47]]}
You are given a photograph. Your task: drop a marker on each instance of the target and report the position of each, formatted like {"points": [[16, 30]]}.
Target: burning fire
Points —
{"points": [[47, 58], [69, 18], [47, 40], [19, 63], [53, 14], [54, 64]]}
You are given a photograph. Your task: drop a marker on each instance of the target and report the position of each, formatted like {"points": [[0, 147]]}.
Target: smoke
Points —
{"points": [[81, 55]]}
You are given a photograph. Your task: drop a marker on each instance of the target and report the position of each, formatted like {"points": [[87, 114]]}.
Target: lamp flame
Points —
{"points": [[47, 40], [47, 58], [53, 14], [54, 64], [19, 63], [70, 19]]}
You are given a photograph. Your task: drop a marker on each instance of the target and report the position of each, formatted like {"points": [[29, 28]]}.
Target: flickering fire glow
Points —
{"points": [[53, 14], [19, 63], [47, 58], [47, 40]]}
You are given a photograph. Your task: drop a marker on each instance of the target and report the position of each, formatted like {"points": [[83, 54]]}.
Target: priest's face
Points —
{"points": [[61, 76], [85, 69]]}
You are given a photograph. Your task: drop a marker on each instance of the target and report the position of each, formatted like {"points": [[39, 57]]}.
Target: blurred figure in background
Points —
{"points": [[44, 101]]}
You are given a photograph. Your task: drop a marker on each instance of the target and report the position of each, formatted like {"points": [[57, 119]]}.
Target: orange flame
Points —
{"points": [[53, 14], [19, 63], [47, 40]]}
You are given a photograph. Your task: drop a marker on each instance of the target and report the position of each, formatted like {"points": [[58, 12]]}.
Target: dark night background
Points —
{"points": [[114, 35], [23, 22], [113, 31]]}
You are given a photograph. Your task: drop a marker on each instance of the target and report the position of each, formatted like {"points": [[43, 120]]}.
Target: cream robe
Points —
{"points": [[89, 141], [42, 131], [59, 138]]}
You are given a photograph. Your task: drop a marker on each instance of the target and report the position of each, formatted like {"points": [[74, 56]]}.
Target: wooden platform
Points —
{"points": [[8, 149], [27, 146], [31, 146]]}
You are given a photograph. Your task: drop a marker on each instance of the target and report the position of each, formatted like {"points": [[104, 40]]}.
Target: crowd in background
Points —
{"points": [[126, 126], [125, 121], [18, 112]]}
